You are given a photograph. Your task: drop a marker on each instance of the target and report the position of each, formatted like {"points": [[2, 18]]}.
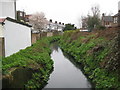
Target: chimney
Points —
{"points": [[118, 11], [55, 22], [51, 20], [62, 23], [59, 22], [103, 14]]}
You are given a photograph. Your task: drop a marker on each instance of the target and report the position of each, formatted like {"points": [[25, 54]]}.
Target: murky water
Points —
{"points": [[66, 74]]}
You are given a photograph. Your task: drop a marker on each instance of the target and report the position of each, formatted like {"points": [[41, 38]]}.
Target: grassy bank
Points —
{"points": [[97, 52], [36, 59]]}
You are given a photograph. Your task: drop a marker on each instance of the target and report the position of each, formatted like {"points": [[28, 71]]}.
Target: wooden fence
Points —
{"points": [[36, 36]]}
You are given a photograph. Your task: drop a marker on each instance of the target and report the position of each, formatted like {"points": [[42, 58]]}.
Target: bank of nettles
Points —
{"points": [[98, 53], [35, 59]]}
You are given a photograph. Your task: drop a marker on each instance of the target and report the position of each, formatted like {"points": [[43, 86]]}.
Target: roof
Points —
{"points": [[115, 15], [2, 20], [56, 24], [15, 21], [27, 16], [108, 18]]}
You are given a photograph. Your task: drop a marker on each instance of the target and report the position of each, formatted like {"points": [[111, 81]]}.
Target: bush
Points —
{"points": [[36, 56], [91, 51]]}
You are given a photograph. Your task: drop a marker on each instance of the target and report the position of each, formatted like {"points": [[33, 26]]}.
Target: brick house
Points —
{"points": [[107, 21], [115, 20], [21, 16]]}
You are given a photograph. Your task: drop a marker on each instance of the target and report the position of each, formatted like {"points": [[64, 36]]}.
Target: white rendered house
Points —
{"points": [[55, 26], [14, 35]]}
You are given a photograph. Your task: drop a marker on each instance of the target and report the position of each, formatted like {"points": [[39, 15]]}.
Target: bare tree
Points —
{"points": [[110, 13], [38, 20], [95, 11], [92, 21], [84, 21]]}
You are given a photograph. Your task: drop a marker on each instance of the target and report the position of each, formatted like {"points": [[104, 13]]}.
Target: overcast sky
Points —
{"points": [[66, 11]]}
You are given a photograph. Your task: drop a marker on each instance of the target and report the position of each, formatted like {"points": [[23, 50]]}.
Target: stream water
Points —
{"points": [[66, 73]]}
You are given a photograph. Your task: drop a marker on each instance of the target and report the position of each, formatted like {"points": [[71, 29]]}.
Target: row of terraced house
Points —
{"points": [[51, 26], [15, 34]]}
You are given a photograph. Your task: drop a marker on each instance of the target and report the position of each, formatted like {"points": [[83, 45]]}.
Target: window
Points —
{"points": [[115, 20], [20, 13]]}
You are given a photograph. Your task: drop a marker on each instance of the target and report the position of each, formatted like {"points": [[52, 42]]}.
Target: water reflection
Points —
{"points": [[54, 47], [66, 74]]}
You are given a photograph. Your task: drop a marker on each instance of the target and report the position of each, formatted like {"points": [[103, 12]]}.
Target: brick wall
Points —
{"points": [[34, 37], [37, 36]]}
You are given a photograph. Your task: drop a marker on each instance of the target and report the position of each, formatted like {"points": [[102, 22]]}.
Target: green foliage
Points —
{"points": [[35, 57], [93, 22], [69, 27], [86, 54], [100, 27]]}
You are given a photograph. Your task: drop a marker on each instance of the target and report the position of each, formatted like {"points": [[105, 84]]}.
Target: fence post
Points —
{"points": [[2, 47]]}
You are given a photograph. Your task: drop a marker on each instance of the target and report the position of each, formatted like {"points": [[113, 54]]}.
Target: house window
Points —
{"points": [[21, 14], [107, 23], [115, 20]]}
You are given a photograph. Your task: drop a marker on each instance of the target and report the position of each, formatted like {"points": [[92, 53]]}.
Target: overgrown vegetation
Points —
{"points": [[96, 53], [93, 21], [69, 26], [37, 58]]}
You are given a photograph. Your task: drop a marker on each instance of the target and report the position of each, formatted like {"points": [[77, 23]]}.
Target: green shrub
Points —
{"points": [[38, 55], [84, 53]]}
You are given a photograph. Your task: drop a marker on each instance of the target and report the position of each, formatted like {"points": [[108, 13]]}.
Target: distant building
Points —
{"points": [[21, 16], [115, 20], [107, 21], [27, 17], [112, 21], [55, 26], [51, 26]]}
